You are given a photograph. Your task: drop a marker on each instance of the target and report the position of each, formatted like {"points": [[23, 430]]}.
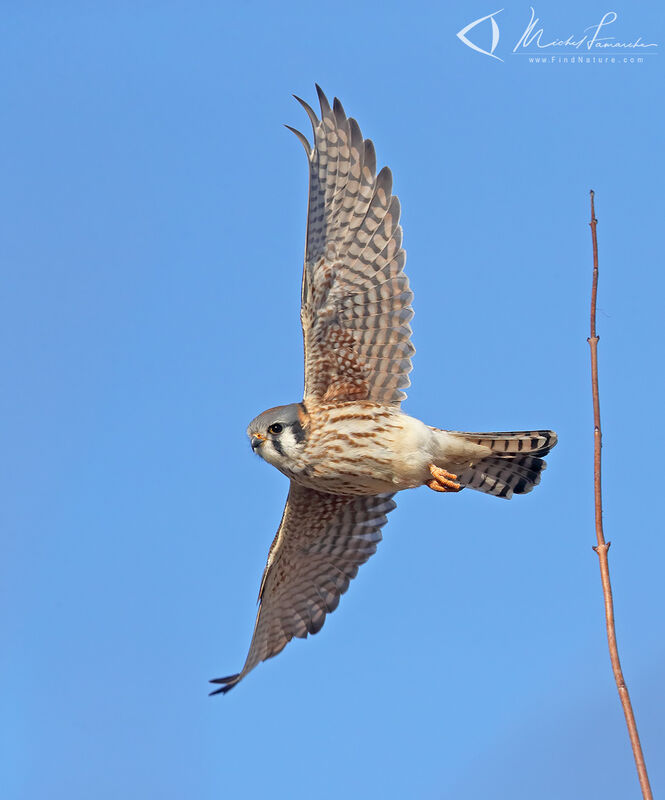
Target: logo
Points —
{"points": [[461, 35], [592, 44]]}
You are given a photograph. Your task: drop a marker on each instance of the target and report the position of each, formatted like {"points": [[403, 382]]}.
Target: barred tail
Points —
{"points": [[515, 464]]}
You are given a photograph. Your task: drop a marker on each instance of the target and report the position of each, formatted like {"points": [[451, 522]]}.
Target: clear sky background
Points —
{"points": [[152, 215]]}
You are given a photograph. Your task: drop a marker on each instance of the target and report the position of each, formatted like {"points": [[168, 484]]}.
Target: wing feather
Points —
{"points": [[321, 542], [354, 269]]}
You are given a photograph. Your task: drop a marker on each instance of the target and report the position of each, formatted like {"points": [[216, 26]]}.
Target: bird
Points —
{"points": [[347, 447]]}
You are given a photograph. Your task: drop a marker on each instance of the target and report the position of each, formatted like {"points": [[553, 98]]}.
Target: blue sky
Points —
{"points": [[153, 213]]}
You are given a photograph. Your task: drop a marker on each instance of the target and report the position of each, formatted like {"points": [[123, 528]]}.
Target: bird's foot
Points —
{"points": [[443, 481]]}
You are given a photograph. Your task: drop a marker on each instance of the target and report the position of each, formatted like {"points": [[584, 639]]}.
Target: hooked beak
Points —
{"points": [[256, 441]]}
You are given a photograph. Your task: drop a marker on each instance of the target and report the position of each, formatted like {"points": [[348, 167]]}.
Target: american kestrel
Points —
{"points": [[347, 447]]}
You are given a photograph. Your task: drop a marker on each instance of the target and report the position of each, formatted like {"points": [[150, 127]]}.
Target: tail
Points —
{"points": [[514, 465]]}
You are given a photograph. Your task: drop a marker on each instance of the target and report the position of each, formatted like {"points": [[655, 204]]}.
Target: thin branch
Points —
{"points": [[602, 547]]}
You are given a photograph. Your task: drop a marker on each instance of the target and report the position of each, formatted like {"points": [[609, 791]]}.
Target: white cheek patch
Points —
{"points": [[288, 442], [281, 451], [269, 453]]}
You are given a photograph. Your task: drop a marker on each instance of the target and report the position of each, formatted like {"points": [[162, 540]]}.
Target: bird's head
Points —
{"points": [[278, 434]]}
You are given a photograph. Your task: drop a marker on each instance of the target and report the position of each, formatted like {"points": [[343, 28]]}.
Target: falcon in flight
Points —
{"points": [[347, 447]]}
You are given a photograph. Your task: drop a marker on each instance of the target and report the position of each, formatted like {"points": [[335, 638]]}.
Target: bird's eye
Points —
{"points": [[275, 428]]}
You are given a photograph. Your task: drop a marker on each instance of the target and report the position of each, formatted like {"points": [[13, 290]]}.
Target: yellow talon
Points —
{"points": [[443, 481]]}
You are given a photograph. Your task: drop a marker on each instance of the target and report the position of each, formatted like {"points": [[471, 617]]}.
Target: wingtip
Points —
{"points": [[301, 138], [309, 110], [338, 111], [227, 684], [323, 100]]}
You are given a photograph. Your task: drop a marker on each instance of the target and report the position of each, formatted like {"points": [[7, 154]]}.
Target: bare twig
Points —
{"points": [[602, 547]]}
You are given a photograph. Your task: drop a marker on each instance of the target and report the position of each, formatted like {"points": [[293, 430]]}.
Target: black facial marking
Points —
{"points": [[298, 431], [277, 446]]}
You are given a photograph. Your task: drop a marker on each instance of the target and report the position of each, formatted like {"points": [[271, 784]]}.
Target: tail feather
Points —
{"points": [[515, 465], [536, 443]]}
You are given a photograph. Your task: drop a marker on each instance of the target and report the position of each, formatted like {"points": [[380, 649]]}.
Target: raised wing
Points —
{"points": [[356, 301], [321, 542]]}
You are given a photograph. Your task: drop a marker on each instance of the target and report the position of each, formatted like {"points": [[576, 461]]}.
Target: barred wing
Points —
{"points": [[321, 542], [356, 301]]}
